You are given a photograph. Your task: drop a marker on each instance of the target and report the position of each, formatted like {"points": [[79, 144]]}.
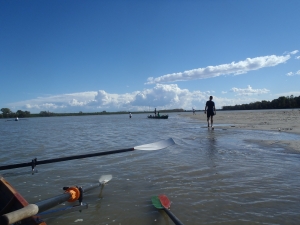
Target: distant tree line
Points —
{"points": [[279, 103], [48, 114], [7, 113]]}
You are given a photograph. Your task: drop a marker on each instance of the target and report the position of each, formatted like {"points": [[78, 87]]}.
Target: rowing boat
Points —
{"points": [[158, 117], [11, 200]]}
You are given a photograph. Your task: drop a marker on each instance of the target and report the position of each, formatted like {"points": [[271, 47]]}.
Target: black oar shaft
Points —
{"points": [[64, 159], [173, 217], [52, 202]]}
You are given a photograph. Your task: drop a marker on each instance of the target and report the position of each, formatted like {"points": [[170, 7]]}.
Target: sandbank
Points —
{"points": [[272, 120]]}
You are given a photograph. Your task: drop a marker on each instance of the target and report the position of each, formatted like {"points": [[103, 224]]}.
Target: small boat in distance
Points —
{"points": [[158, 117]]}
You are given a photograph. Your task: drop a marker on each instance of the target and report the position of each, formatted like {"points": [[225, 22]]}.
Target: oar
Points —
{"points": [[57, 212], [162, 202], [153, 146], [71, 194]]}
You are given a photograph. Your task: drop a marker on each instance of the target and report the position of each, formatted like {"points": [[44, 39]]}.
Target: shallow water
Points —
{"points": [[211, 176]]}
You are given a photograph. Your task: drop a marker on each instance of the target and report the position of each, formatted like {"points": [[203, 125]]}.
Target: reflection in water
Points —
{"points": [[212, 143], [211, 176]]}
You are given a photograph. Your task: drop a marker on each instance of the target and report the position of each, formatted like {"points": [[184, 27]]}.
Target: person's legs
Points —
{"points": [[208, 120], [212, 120]]}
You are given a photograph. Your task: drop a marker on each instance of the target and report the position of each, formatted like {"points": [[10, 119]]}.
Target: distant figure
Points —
{"points": [[155, 112], [158, 114], [130, 115], [211, 111], [194, 113], [17, 119]]}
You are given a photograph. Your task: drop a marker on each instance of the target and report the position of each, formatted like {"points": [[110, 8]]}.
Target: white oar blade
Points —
{"points": [[156, 145], [105, 178]]}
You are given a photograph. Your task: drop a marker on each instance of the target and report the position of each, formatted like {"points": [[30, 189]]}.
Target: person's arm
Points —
{"points": [[214, 109], [205, 108]]}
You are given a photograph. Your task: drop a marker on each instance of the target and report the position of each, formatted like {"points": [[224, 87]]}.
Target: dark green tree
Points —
{"points": [[279, 103], [6, 112]]}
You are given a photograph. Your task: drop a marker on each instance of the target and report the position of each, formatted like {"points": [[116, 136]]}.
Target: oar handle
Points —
{"points": [[15, 216], [173, 217], [33, 209]]}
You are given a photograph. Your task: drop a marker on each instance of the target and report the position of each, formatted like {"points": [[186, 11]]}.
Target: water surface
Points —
{"points": [[211, 176]]}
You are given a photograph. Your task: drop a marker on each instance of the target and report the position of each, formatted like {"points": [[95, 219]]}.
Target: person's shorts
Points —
{"points": [[210, 114]]}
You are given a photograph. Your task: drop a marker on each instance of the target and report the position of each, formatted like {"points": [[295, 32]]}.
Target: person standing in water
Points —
{"points": [[211, 111], [130, 115]]}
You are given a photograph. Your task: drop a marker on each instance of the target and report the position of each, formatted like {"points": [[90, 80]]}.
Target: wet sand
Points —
{"points": [[271, 120]]}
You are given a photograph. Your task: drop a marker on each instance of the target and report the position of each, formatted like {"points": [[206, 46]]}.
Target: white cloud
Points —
{"points": [[249, 91], [44, 106], [233, 68], [292, 73], [297, 57], [162, 96], [61, 102], [224, 92], [294, 52]]}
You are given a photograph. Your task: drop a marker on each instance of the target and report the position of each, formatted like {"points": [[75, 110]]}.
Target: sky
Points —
{"points": [[97, 55]]}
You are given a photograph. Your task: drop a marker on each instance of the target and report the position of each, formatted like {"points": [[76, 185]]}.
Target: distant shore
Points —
{"points": [[272, 120]]}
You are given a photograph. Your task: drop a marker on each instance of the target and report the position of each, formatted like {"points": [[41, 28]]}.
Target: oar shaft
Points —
{"points": [[82, 156], [86, 189], [52, 202], [19, 165], [173, 217], [149, 147]]}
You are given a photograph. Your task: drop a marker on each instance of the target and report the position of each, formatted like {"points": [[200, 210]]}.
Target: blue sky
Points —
{"points": [[91, 56]]}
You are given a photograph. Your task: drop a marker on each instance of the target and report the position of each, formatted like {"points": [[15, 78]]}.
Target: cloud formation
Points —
{"points": [[249, 91], [294, 52], [289, 74], [162, 96], [233, 68]]}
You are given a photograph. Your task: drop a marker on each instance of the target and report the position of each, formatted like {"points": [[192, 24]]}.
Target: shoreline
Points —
{"points": [[266, 120]]}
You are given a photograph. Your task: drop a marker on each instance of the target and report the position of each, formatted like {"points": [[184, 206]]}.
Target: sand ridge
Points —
{"points": [[273, 120]]}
